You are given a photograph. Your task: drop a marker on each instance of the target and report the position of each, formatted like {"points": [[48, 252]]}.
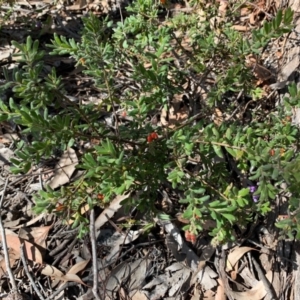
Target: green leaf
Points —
{"points": [[288, 16], [228, 134], [160, 50], [213, 215], [28, 43], [244, 192], [278, 18], [229, 217], [3, 107], [199, 191], [163, 217], [17, 45], [88, 157], [216, 133], [256, 176], [26, 116], [267, 28], [231, 151], [241, 202], [203, 199], [218, 150], [188, 213], [35, 46], [239, 154], [215, 203], [184, 200]]}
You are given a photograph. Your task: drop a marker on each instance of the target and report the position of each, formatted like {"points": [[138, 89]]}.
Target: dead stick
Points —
{"points": [[66, 285], [268, 287], [28, 273], [94, 254], [4, 245]]}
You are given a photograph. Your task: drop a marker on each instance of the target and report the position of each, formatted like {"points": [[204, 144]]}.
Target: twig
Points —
{"points": [[67, 284], [4, 245], [28, 273], [62, 246], [221, 261], [260, 9], [94, 254], [268, 287]]}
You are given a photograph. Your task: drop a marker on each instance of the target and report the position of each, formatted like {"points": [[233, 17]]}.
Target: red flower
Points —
{"points": [[60, 207], [272, 152], [100, 196], [151, 137], [190, 237]]}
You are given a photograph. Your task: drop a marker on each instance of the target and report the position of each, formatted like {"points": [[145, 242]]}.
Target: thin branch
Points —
{"points": [[94, 254], [66, 285], [28, 273], [4, 244], [268, 287]]}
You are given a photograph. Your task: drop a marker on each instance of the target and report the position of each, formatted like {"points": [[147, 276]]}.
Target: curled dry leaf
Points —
{"points": [[209, 295], [242, 28], [56, 274], [256, 293], [235, 255], [223, 8], [37, 235], [31, 252], [220, 294], [64, 169], [13, 256], [52, 272], [110, 211], [139, 295], [31, 222], [78, 267]]}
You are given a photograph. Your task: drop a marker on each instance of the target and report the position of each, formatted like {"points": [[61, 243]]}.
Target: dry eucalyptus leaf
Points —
{"points": [[110, 211], [256, 293], [139, 295], [248, 276], [210, 295], [192, 260], [57, 275], [31, 252], [13, 256], [118, 239], [14, 296], [78, 267], [173, 247], [79, 4], [37, 235], [178, 276], [138, 275], [289, 68], [52, 272], [73, 278], [5, 53], [116, 277], [64, 169], [220, 294], [132, 235], [12, 224], [31, 222], [242, 28], [172, 281], [5, 155], [235, 255], [206, 277]]}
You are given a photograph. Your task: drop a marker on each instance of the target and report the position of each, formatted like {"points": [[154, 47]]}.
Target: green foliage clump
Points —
{"points": [[139, 156]]}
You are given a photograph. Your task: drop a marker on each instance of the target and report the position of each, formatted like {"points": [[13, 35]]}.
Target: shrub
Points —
{"points": [[140, 64]]}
